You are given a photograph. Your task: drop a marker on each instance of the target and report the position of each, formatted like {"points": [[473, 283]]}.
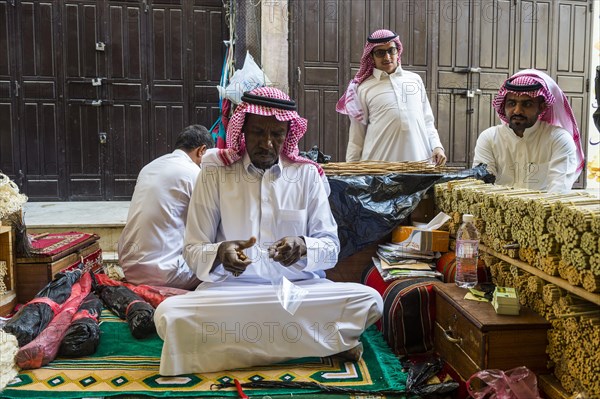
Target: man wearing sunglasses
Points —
{"points": [[390, 115]]}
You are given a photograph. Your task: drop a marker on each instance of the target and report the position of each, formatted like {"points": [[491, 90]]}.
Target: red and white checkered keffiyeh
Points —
{"points": [[558, 112], [349, 104], [236, 144]]}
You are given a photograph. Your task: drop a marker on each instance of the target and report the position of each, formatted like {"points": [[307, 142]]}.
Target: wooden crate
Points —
{"points": [[8, 300], [34, 273], [470, 336]]}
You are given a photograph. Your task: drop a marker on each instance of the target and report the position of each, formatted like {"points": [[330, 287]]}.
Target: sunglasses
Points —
{"points": [[382, 53]]}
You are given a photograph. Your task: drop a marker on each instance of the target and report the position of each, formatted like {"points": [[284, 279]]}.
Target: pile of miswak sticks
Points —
{"points": [[382, 168], [574, 339], [557, 233]]}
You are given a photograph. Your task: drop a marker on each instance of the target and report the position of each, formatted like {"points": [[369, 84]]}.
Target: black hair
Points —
{"points": [[194, 136]]}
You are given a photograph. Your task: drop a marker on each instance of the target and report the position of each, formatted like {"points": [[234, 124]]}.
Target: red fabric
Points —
{"points": [[43, 349], [447, 266], [84, 314], [408, 311], [154, 295], [55, 243]]}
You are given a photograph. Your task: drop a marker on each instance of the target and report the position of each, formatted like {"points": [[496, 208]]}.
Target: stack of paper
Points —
{"points": [[506, 301]]}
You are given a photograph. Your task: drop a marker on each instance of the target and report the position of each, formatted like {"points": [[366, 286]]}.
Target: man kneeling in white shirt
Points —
{"points": [[151, 244]]}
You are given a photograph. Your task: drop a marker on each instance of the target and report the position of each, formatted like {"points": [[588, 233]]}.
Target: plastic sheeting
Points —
{"points": [[83, 335], [368, 207], [33, 318], [131, 307]]}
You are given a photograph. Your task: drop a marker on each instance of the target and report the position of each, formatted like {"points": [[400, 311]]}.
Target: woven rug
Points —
{"points": [[123, 365]]}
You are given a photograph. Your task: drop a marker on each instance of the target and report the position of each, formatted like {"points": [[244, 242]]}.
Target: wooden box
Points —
{"points": [[8, 298], [33, 273], [470, 336]]}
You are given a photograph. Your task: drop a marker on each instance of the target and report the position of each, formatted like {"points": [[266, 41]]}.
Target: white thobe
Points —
{"points": [[151, 244], [399, 120], [232, 322], [543, 159]]}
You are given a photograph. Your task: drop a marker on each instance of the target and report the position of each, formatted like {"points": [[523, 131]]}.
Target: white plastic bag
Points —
{"points": [[248, 78], [290, 295]]}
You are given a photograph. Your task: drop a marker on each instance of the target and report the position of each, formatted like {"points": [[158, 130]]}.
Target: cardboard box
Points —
{"points": [[428, 240]]}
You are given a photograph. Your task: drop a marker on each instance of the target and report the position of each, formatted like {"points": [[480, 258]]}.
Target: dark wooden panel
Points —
{"points": [[564, 38], [411, 24], [127, 136], [125, 51], [127, 91], [41, 149], [167, 92], [80, 37], [37, 26], [568, 84], [312, 112], [5, 48], [168, 122], [331, 32], [446, 34], [83, 154], [8, 164], [542, 37], [581, 37], [332, 142], [208, 44], [167, 45], [39, 90], [321, 76]]}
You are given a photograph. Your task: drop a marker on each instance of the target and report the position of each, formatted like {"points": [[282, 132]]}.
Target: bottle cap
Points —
{"points": [[468, 218]]}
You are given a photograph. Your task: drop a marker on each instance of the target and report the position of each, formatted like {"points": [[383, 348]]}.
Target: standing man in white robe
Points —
{"points": [[151, 244], [262, 222], [538, 145], [390, 115]]}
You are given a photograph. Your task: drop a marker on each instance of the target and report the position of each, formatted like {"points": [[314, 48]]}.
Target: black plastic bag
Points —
{"points": [[421, 372], [315, 155], [131, 307], [32, 318], [368, 207], [83, 335]]}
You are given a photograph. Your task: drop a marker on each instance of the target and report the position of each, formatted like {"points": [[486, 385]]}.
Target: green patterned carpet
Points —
{"points": [[124, 367]]}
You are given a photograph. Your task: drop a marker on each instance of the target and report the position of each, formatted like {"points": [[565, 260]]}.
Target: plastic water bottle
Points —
{"points": [[467, 252]]}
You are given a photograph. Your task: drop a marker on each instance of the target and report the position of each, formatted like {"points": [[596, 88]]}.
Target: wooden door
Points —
{"points": [[9, 92], [126, 86], [85, 117], [91, 91], [38, 97]]}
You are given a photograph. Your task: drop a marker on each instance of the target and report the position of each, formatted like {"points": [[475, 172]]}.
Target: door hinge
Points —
{"points": [[12, 2], [148, 97], [146, 7], [17, 87], [587, 85], [591, 8]]}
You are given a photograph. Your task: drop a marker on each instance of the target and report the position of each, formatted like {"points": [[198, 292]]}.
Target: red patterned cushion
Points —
{"points": [[408, 311], [447, 266]]}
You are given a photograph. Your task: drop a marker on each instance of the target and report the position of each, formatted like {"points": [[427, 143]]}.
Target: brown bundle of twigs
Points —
{"points": [[381, 168]]}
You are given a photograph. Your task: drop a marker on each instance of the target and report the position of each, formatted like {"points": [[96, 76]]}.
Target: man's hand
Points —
{"points": [[288, 250], [439, 157], [231, 255]]}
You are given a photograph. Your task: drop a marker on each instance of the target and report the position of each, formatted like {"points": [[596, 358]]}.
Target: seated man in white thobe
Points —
{"points": [[390, 115], [262, 221], [538, 145], [151, 244]]}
